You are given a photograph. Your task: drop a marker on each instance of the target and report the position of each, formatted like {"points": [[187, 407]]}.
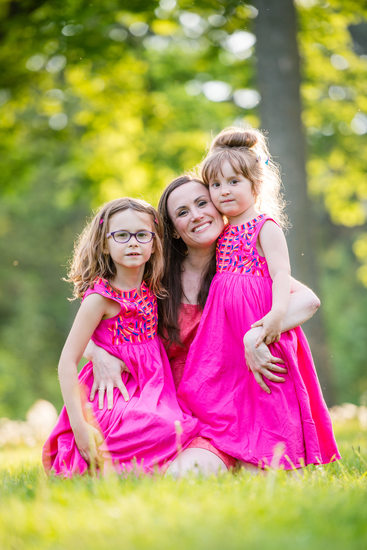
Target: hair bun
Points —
{"points": [[235, 137]]}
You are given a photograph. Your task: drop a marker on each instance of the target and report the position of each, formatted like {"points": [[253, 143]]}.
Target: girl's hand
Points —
{"points": [[88, 439], [271, 325], [260, 361], [107, 371]]}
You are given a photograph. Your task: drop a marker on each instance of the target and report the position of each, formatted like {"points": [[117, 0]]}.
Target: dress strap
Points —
{"points": [[259, 226], [130, 302], [102, 287]]}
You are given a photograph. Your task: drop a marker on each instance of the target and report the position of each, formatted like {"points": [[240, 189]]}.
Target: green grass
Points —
{"points": [[325, 508]]}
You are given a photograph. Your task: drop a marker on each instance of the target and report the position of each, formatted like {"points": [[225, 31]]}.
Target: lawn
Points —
{"points": [[325, 508]]}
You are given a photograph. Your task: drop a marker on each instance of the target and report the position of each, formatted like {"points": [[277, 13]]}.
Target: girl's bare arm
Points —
{"points": [[88, 317], [274, 246]]}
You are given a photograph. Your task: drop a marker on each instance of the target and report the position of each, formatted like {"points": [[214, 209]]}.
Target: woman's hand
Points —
{"points": [[88, 439], [260, 361], [107, 371]]}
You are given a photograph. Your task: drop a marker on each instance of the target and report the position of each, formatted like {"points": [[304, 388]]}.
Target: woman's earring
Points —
{"points": [[175, 235]]}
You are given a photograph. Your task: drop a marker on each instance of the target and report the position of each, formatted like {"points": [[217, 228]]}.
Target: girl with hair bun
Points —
{"points": [[289, 425]]}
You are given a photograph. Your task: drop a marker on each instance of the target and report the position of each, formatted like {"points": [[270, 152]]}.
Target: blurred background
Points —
{"points": [[105, 99]]}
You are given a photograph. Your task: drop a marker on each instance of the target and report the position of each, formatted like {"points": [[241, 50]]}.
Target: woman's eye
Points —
{"points": [[182, 213], [202, 203]]}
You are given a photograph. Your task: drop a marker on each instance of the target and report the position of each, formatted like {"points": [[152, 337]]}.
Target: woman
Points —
{"points": [[192, 226]]}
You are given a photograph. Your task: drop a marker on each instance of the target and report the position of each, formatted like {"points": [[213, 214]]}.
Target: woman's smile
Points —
{"points": [[201, 227]]}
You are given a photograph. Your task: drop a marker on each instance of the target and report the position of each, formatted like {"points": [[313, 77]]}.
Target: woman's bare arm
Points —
{"points": [[303, 304]]}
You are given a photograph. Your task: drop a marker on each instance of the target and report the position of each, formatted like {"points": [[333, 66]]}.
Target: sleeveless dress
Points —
{"points": [[138, 434], [288, 428]]}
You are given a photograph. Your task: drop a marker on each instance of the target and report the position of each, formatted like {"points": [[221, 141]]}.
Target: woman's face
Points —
{"points": [[194, 216]]}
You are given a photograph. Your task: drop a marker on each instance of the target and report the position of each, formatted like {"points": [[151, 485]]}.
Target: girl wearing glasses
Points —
{"points": [[116, 270]]}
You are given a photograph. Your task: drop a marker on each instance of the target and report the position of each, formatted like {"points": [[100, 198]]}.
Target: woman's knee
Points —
{"points": [[196, 461]]}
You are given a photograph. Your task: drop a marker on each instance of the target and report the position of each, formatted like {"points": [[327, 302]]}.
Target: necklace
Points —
{"points": [[188, 301]]}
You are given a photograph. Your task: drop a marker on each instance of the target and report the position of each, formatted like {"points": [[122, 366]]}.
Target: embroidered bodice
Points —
{"points": [[236, 249], [137, 321]]}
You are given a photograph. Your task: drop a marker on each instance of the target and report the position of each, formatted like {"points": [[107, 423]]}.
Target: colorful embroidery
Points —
{"points": [[137, 321], [237, 252]]}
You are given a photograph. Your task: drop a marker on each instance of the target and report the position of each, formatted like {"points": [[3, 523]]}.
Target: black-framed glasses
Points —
{"points": [[123, 236]]}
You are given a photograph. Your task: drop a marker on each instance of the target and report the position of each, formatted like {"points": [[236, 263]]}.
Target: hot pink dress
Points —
{"points": [[140, 433], [289, 428], [188, 322]]}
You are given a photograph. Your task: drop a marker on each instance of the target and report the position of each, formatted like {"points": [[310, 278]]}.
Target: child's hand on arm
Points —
{"points": [[271, 325]]}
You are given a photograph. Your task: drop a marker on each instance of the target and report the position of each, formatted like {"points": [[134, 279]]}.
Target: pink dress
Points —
{"points": [[188, 322], [289, 428], [138, 434]]}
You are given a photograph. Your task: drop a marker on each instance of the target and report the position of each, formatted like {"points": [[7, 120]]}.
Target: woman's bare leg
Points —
{"points": [[196, 461]]}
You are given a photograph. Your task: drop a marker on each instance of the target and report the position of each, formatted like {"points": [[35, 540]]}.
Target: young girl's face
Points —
{"points": [[194, 216], [132, 254], [232, 193]]}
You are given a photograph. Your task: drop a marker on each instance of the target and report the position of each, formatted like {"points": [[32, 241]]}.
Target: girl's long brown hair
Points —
{"points": [[91, 259], [174, 251]]}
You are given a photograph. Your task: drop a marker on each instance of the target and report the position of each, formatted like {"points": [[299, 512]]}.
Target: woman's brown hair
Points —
{"points": [[91, 260]]}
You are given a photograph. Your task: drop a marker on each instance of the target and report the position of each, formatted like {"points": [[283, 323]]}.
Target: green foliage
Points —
{"points": [[104, 99], [335, 118], [93, 109], [34, 248], [334, 91], [346, 327]]}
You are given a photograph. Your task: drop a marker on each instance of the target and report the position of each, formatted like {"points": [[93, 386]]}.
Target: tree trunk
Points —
{"points": [[278, 75]]}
